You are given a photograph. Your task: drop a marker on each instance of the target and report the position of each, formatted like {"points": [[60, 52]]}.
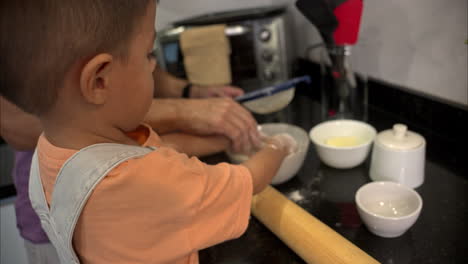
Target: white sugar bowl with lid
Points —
{"points": [[399, 155]]}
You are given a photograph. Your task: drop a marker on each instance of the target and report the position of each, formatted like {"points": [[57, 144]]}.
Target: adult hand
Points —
{"points": [[222, 116], [199, 91]]}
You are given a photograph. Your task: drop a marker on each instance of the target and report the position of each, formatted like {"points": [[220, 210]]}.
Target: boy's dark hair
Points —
{"points": [[41, 39]]}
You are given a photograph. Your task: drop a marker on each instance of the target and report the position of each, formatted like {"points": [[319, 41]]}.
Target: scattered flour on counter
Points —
{"points": [[315, 193], [296, 196]]}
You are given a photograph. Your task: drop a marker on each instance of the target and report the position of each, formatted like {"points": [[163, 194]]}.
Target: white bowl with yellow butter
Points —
{"points": [[342, 144]]}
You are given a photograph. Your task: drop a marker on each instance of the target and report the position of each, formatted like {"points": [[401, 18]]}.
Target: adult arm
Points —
{"points": [[211, 116], [18, 128], [194, 145], [214, 116], [208, 116], [21, 130]]}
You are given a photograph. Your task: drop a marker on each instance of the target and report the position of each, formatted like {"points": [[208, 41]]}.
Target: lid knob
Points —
{"points": [[399, 130], [400, 138]]}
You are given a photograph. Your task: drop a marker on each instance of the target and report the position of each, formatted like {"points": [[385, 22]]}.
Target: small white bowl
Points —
{"points": [[293, 162], [388, 209], [343, 157]]}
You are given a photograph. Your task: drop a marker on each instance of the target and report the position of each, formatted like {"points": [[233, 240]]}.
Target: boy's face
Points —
{"points": [[133, 80]]}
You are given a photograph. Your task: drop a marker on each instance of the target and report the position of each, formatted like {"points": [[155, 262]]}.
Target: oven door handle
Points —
{"points": [[236, 30], [229, 31]]}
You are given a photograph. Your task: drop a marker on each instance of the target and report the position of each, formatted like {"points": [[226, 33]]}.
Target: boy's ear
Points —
{"points": [[95, 79]]}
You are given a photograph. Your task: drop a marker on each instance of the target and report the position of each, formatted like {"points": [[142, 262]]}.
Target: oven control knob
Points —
{"points": [[267, 55], [269, 75], [265, 35]]}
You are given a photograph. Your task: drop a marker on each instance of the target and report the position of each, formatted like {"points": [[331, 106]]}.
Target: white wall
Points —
{"points": [[418, 44], [11, 244]]}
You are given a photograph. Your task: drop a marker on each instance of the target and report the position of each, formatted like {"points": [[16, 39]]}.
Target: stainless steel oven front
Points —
{"points": [[260, 45]]}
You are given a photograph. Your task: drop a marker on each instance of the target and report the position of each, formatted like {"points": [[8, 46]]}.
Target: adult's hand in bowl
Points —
{"points": [[282, 141], [279, 135], [222, 116]]}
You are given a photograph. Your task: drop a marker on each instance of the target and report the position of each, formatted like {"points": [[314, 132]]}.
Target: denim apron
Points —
{"points": [[75, 182]]}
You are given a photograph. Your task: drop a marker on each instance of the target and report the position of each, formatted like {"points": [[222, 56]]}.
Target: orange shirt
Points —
{"points": [[160, 208]]}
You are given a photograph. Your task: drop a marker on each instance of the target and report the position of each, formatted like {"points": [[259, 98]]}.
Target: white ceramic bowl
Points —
{"points": [[272, 103], [293, 162], [343, 157], [388, 209]]}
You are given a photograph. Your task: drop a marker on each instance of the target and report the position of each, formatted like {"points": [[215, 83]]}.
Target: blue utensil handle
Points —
{"points": [[270, 90]]}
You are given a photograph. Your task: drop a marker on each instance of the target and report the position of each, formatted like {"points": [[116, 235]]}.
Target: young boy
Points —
{"points": [[100, 192]]}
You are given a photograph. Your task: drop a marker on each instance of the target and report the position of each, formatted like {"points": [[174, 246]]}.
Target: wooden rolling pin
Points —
{"points": [[311, 239]]}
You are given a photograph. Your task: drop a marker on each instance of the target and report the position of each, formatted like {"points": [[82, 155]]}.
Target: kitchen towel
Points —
{"points": [[206, 53]]}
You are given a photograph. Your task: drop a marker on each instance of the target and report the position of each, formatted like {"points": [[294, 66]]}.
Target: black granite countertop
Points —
{"points": [[328, 194]]}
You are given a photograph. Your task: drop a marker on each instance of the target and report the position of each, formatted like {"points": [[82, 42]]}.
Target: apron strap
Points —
{"points": [[74, 184]]}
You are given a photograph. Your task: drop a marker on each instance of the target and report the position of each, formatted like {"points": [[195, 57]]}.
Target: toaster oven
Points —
{"points": [[260, 45]]}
